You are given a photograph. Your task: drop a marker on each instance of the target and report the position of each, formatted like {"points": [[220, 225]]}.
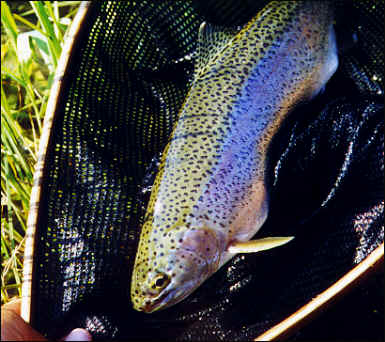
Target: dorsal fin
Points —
{"points": [[212, 39]]}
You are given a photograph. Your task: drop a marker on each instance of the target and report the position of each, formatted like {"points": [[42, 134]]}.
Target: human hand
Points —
{"points": [[14, 328]]}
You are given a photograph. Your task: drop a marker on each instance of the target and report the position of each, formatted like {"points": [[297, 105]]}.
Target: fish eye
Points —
{"points": [[160, 281]]}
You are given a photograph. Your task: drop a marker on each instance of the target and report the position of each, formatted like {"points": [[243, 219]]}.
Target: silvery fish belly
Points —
{"points": [[210, 196]]}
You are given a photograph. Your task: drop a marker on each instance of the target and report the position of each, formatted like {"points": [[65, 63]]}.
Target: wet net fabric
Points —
{"points": [[127, 80]]}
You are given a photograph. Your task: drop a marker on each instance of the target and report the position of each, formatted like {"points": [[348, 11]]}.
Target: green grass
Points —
{"points": [[31, 41]]}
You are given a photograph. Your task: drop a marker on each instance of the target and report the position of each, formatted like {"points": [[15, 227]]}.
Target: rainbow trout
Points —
{"points": [[209, 197]]}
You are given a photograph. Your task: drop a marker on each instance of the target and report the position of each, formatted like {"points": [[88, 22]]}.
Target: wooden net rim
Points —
{"points": [[52, 105]]}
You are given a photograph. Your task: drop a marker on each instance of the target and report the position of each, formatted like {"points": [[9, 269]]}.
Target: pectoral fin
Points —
{"points": [[253, 246]]}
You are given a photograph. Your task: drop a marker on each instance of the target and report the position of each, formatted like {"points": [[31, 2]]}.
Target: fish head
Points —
{"points": [[178, 265]]}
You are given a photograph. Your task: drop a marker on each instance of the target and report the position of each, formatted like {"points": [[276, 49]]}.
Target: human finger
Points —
{"points": [[13, 327], [78, 334]]}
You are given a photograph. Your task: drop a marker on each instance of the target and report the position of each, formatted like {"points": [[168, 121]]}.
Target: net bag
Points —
{"points": [[123, 76]]}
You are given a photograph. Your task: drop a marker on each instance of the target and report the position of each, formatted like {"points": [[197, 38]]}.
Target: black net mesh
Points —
{"points": [[125, 85]]}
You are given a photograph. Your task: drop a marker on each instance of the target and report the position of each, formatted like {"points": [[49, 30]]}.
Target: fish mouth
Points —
{"points": [[160, 302], [168, 298]]}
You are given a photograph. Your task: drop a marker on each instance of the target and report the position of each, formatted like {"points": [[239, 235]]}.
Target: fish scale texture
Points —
{"points": [[128, 79]]}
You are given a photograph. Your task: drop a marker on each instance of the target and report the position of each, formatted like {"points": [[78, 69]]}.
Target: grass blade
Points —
{"points": [[53, 42], [9, 23], [24, 94]]}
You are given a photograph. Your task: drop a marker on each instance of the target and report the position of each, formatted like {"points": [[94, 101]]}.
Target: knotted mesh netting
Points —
{"points": [[126, 82]]}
